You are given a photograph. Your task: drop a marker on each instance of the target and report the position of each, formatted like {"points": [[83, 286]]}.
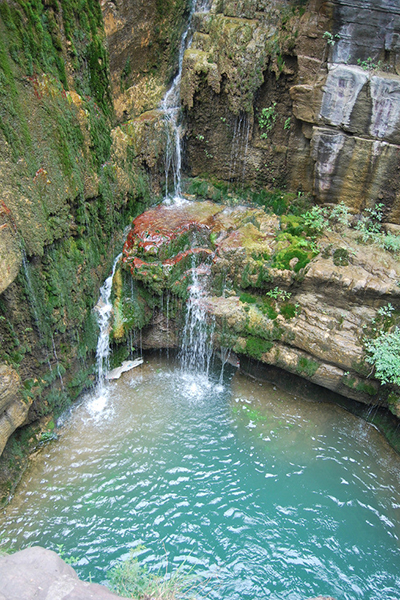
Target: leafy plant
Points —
{"points": [[316, 220], [370, 224], [369, 65], [266, 119], [286, 125], [330, 38], [384, 355], [278, 294]]}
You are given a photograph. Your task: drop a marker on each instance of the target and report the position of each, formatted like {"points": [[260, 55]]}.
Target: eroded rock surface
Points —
{"points": [[327, 75], [13, 409]]}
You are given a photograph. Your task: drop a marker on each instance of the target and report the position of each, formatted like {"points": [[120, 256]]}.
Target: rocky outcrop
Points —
{"points": [[271, 292], [39, 574]]}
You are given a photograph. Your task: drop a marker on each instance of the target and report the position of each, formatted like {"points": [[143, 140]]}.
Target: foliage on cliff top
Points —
{"points": [[384, 355]]}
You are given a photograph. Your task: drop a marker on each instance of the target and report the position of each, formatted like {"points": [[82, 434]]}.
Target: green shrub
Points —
{"points": [[384, 355], [316, 220]]}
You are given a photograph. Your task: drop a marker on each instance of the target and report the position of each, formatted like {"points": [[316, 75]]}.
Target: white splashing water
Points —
{"points": [[104, 309], [196, 351], [171, 106]]}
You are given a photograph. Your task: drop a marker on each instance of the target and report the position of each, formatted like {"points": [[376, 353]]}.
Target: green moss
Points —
{"points": [[248, 298], [288, 310], [366, 388], [256, 346], [297, 247], [341, 257], [306, 366]]}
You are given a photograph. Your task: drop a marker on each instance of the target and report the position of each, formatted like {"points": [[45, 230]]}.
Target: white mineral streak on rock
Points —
{"points": [[343, 85], [326, 147], [385, 118]]}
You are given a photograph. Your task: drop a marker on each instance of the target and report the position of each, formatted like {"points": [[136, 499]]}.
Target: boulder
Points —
{"points": [[39, 574]]}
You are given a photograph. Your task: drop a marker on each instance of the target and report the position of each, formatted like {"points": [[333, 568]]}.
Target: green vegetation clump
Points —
{"points": [[341, 257], [130, 579], [288, 310], [267, 119], [384, 356], [297, 247], [306, 366], [256, 346]]}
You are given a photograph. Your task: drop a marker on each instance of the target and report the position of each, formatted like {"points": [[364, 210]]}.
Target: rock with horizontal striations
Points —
{"points": [[39, 574]]}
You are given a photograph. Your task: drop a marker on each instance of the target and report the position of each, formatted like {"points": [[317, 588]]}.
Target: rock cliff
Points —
{"points": [[300, 95], [69, 182]]}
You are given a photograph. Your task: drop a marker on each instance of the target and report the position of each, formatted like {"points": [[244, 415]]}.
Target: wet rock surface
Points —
{"points": [[307, 313], [326, 74]]}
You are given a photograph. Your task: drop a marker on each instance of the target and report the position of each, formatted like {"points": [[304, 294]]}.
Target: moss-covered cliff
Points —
{"points": [[69, 183]]}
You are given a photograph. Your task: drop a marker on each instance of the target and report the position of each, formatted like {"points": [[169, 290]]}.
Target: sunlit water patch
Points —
{"points": [[272, 496]]}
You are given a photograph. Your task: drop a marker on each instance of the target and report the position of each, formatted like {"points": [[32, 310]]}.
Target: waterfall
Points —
{"points": [[104, 309], [171, 105], [196, 350]]}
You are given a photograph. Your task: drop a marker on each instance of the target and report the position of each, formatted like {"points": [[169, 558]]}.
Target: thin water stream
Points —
{"points": [[272, 496]]}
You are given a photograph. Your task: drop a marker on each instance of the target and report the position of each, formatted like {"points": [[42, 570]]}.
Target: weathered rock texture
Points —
{"points": [[272, 294], [327, 73], [39, 574], [13, 408]]}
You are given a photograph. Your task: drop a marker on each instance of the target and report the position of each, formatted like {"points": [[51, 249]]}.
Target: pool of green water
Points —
{"points": [[265, 495]]}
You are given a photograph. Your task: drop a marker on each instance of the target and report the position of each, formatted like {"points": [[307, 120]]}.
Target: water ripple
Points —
{"points": [[275, 500]]}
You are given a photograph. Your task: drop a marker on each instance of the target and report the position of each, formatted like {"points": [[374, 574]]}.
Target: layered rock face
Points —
{"points": [[269, 291], [303, 97]]}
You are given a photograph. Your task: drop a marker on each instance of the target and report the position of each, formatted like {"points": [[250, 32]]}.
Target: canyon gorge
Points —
{"points": [[270, 182]]}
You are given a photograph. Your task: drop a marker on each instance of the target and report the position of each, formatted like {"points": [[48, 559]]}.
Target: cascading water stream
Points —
{"points": [[104, 309], [171, 106], [196, 349]]}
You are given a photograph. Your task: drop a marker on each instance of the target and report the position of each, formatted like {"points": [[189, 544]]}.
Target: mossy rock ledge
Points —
{"points": [[310, 321]]}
